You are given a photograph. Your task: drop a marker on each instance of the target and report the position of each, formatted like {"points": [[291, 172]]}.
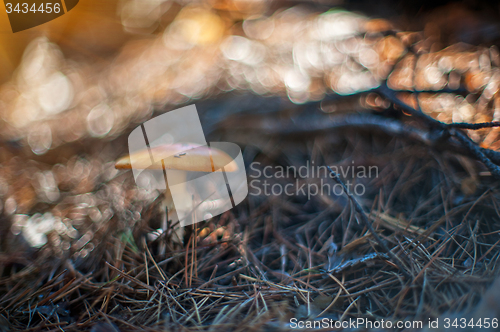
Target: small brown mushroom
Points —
{"points": [[186, 157]]}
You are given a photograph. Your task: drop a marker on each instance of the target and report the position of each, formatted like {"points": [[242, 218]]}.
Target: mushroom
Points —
{"points": [[179, 156], [183, 157]]}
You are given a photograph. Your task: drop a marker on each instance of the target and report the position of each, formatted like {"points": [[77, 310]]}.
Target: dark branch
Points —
{"points": [[474, 126]]}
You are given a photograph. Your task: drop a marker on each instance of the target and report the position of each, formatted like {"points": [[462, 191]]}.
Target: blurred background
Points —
{"points": [[271, 76], [101, 66], [72, 89]]}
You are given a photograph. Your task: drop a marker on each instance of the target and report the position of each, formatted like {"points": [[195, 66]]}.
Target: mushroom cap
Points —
{"points": [[179, 156]]}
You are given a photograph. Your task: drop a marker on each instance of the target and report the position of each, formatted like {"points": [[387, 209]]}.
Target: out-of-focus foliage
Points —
{"points": [[85, 77]]}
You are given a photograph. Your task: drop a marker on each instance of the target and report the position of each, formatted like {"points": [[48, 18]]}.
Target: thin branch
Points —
{"points": [[476, 151], [384, 90], [474, 126], [488, 157]]}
